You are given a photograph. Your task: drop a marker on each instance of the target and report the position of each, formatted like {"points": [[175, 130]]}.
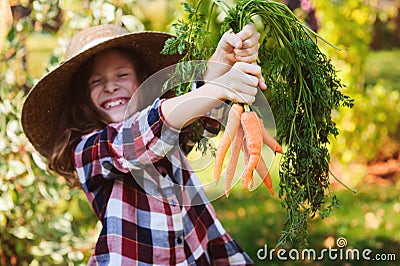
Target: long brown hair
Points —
{"points": [[80, 117]]}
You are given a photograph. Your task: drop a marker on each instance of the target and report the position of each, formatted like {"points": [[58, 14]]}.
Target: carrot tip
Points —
{"points": [[216, 181], [279, 149]]}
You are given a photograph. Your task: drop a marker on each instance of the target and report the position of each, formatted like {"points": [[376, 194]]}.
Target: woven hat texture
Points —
{"points": [[43, 105]]}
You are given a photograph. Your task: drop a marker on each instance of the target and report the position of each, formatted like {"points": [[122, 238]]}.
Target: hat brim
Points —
{"points": [[43, 105]]}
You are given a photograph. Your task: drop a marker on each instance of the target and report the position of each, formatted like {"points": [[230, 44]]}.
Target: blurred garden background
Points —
{"points": [[45, 222]]}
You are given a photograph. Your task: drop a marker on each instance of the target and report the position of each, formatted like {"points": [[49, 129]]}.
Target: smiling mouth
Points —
{"points": [[111, 104]]}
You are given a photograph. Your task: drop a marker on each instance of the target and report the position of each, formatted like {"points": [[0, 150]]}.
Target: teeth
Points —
{"points": [[115, 103]]}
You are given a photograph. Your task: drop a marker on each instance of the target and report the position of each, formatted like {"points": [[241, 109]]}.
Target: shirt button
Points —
{"points": [[179, 240], [173, 203]]}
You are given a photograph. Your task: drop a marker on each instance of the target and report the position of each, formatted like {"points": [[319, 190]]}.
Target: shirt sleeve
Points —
{"points": [[142, 139], [146, 138]]}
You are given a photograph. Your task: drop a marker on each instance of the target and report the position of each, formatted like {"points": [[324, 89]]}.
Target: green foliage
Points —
{"points": [[304, 89], [194, 42], [304, 123], [191, 41]]}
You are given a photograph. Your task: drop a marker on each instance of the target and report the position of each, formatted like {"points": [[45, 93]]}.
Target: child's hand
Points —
{"points": [[242, 46], [239, 84], [232, 48]]}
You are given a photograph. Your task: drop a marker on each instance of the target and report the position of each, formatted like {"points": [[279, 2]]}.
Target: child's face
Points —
{"points": [[112, 84]]}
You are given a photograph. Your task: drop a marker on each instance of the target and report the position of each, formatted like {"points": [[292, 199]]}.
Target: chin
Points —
{"points": [[117, 119], [113, 118]]}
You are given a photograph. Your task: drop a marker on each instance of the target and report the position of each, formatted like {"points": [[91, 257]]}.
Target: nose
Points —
{"points": [[111, 86]]}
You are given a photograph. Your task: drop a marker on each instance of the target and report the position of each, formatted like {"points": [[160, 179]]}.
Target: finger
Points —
{"points": [[248, 99], [261, 83], [250, 43], [252, 52], [252, 82], [243, 98], [248, 59], [230, 40], [247, 32], [248, 68]]}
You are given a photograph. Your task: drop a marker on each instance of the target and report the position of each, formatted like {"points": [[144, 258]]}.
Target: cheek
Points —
{"points": [[93, 95], [132, 88]]}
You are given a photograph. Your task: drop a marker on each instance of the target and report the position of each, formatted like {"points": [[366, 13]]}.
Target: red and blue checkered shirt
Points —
{"points": [[151, 204]]}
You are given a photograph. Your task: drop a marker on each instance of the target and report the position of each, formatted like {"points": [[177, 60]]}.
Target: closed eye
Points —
{"points": [[94, 82], [123, 75]]}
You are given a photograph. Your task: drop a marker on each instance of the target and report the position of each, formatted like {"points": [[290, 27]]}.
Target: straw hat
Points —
{"points": [[43, 105]]}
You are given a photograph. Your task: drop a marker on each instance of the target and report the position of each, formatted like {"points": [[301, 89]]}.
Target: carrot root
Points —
{"points": [[233, 159], [244, 130], [269, 140], [252, 131], [232, 126], [263, 172]]}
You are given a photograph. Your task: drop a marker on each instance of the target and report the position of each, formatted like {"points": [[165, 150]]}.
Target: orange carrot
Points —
{"points": [[252, 132], [245, 155], [269, 140], [232, 126], [262, 170], [233, 159], [246, 160]]}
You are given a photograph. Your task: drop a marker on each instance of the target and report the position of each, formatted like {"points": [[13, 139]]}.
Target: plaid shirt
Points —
{"points": [[151, 204]]}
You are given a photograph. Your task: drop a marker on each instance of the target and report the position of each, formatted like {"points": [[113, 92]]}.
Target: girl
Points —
{"points": [[150, 203]]}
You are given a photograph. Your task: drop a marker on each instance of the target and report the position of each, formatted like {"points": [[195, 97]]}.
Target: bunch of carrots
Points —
{"points": [[244, 131]]}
